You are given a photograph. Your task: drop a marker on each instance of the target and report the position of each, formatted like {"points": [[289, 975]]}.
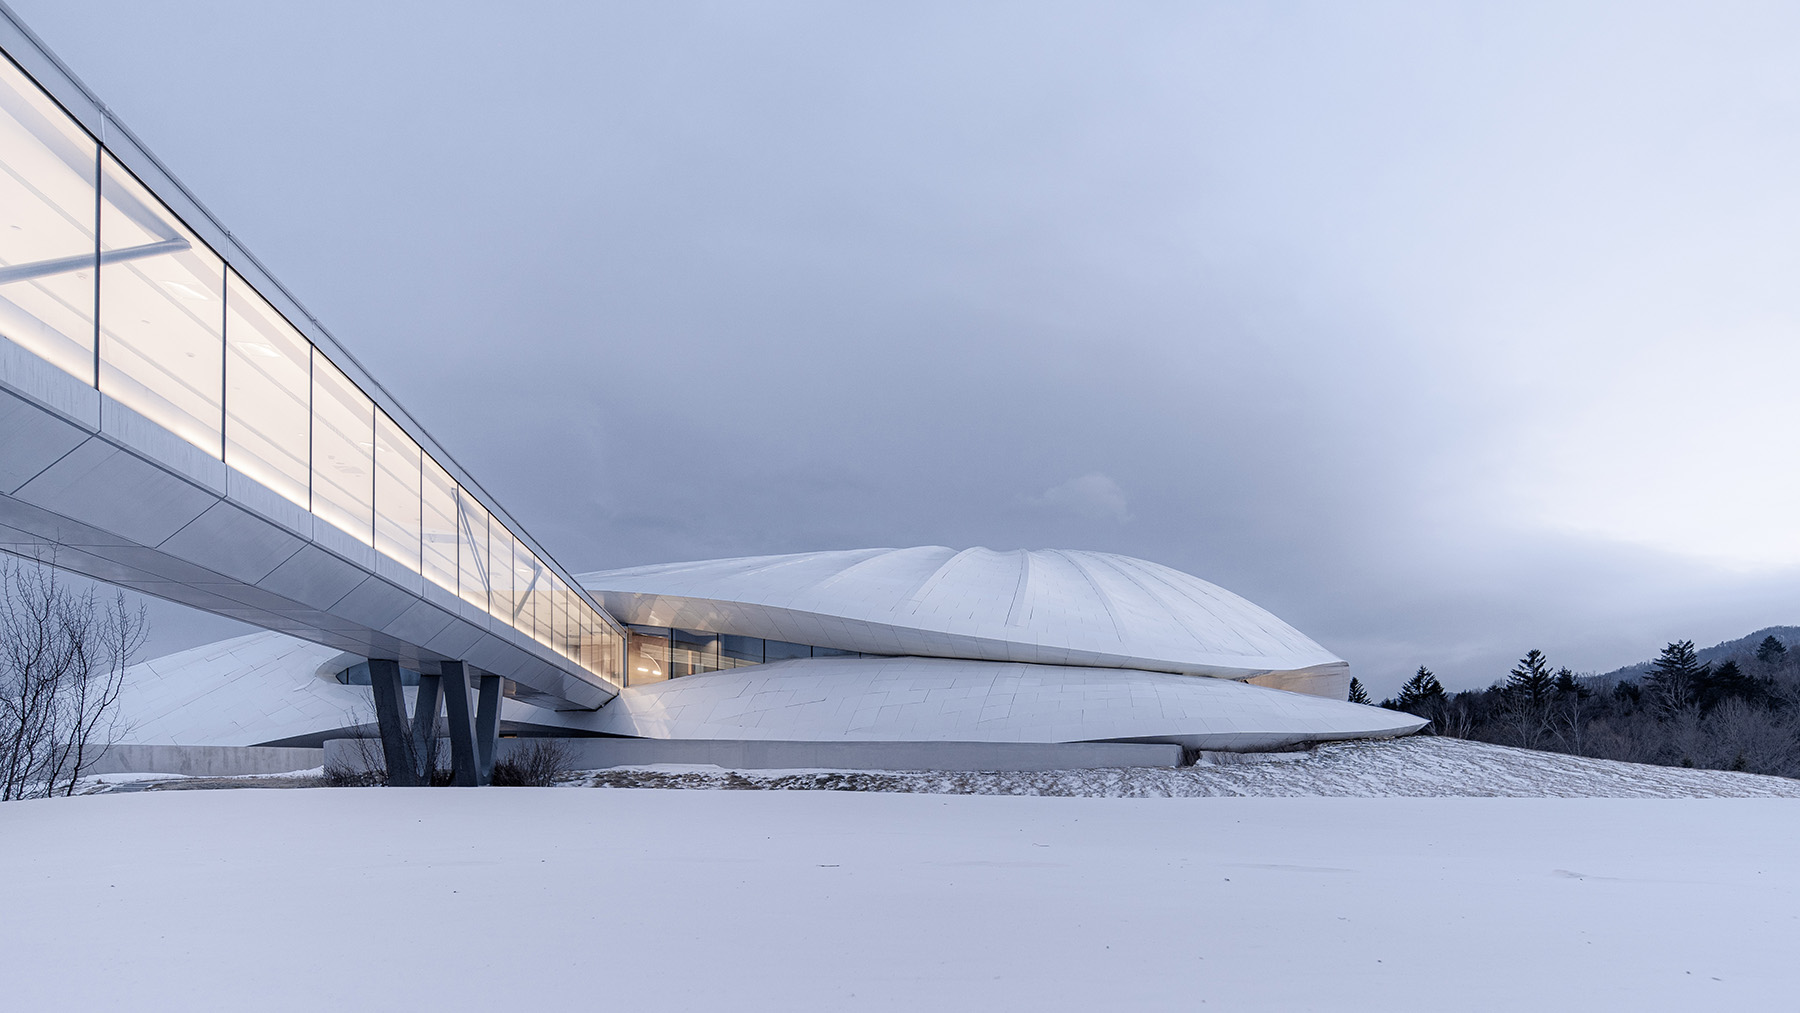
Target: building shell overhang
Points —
{"points": [[1051, 607]]}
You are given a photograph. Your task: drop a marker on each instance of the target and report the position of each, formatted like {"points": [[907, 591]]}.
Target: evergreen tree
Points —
{"points": [[1568, 685], [1531, 682], [1728, 682], [1421, 693], [1675, 677], [1771, 651], [1357, 693]]}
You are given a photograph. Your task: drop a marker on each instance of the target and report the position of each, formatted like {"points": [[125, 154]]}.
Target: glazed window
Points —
{"points": [[268, 394], [47, 236]]}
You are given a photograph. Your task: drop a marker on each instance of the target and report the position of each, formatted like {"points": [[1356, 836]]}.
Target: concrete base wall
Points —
{"points": [[205, 761], [594, 754]]}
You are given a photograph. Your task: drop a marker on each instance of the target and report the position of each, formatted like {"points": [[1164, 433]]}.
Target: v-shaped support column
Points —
{"points": [[390, 721], [487, 726], [426, 708], [411, 753], [465, 766]]}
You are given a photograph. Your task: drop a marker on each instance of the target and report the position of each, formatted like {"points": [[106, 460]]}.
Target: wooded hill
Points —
{"points": [[1742, 647], [1733, 706]]}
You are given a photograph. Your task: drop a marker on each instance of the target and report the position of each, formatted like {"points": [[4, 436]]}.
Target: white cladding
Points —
{"points": [[1044, 606], [246, 691], [257, 689], [978, 646], [948, 700]]}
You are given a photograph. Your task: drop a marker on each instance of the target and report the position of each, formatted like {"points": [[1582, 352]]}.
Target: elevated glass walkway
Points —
{"points": [[172, 421]]}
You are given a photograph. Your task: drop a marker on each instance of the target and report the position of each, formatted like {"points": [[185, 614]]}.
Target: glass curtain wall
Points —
{"points": [[48, 238], [343, 451], [646, 656], [559, 616], [162, 313], [397, 492], [437, 509], [500, 566], [656, 653], [691, 652], [268, 394], [471, 550], [185, 341], [530, 579]]}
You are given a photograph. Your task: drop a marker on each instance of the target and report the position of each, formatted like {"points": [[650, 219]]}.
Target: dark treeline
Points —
{"points": [[1739, 713]]}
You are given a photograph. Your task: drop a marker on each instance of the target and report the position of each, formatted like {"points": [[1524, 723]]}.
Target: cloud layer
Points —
{"points": [[1442, 332]]}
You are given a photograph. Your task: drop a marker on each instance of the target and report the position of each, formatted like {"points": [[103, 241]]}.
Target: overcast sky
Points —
{"points": [[1442, 332]]}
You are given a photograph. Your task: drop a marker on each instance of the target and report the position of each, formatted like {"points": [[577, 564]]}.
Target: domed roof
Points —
{"points": [[1046, 606]]}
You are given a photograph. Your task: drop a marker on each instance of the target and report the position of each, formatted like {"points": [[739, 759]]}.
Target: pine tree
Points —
{"points": [[1771, 651], [1419, 695], [1531, 682], [1357, 693], [1568, 685], [1675, 677], [1728, 682]]}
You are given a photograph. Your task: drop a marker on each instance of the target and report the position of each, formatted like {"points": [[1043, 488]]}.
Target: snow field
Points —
{"points": [[385, 899], [1421, 766]]}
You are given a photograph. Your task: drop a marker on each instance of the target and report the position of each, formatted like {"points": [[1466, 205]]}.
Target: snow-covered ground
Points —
{"points": [[1419, 766], [483, 899]]}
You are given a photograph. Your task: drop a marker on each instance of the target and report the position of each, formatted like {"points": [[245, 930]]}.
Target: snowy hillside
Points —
{"points": [[1421, 766]]}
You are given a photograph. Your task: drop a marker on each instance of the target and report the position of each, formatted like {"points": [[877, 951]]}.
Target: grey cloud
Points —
{"points": [[1092, 497]]}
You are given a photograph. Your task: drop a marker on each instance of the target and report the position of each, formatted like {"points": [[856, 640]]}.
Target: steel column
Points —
{"points": [[424, 730], [487, 726], [465, 771], [390, 720]]}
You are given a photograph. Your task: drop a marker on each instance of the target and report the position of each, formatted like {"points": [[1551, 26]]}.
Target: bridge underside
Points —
{"points": [[118, 498]]}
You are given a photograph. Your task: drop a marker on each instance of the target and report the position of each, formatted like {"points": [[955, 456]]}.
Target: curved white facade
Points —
{"points": [[1050, 606], [263, 689], [949, 700], [972, 647]]}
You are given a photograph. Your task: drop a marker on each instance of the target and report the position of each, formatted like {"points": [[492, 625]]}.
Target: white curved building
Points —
{"points": [[934, 644], [924, 645]]}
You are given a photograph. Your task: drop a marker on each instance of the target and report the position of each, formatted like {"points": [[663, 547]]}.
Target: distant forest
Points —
{"points": [[1731, 707]]}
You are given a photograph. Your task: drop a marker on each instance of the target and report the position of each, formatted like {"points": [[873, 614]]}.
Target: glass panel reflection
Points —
{"points": [[500, 571], [47, 244], [437, 525], [268, 393], [397, 492], [559, 622], [646, 656], [781, 650], [655, 653], [343, 444], [691, 653], [589, 656], [471, 549], [162, 313], [534, 613], [736, 652]]}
